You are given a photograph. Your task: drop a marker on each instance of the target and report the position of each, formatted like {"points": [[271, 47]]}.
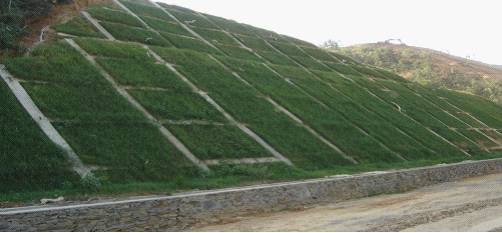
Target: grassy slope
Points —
{"points": [[433, 68], [131, 156], [28, 159]]}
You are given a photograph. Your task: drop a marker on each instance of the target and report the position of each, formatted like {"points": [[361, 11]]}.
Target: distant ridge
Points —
{"points": [[432, 67]]}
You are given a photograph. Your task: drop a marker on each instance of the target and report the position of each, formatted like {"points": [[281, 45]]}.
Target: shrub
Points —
{"points": [[90, 183]]}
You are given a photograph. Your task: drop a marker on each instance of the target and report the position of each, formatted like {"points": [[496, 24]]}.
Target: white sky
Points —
{"points": [[461, 27]]}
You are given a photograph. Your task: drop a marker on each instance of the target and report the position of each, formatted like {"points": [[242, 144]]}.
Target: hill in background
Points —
{"points": [[433, 68], [138, 96]]}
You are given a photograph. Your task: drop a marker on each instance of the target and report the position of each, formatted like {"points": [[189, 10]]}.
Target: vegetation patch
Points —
{"points": [[126, 152], [288, 49], [302, 105], [218, 142], [245, 105], [484, 110], [216, 36], [276, 58], [479, 138], [114, 16], [126, 33], [29, 161], [299, 42], [370, 114], [230, 25], [55, 62], [106, 48], [130, 72], [342, 68], [189, 43], [177, 105], [78, 26], [310, 63], [147, 10], [319, 54], [255, 43], [192, 19], [238, 52], [81, 102], [165, 26]]}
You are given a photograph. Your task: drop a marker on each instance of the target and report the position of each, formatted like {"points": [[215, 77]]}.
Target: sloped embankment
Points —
{"points": [[152, 96]]}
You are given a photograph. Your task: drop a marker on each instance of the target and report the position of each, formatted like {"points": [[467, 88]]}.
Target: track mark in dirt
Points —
{"points": [[408, 221]]}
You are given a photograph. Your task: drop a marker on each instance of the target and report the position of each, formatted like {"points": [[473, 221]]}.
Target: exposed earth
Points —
{"points": [[473, 204]]}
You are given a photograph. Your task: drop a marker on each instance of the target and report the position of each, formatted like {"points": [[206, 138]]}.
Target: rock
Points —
{"points": [[48, 201]]}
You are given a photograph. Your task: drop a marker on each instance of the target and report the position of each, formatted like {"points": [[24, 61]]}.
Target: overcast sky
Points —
{"points": [[464, 28]]}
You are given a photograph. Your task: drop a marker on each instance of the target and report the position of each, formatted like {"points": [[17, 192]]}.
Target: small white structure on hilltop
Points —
{"points": [[394, 41]]}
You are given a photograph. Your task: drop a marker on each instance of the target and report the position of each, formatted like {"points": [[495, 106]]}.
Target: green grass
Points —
{"points": [[282, 133], [493, 134], [255, 43], [342, 68], [479, 138], [218, 142], [230, 25], [299, 42], [223, 177], [113, 49], [444, 105], [166, 26], [409, 103], [78, 26], [342, 58], [55, 62], [81, 102], [319, 54], [216, 36], [177, 105], [368, 71], [371, 122], [29, 161], [389, 74], [387, 111], [126, 33], [192, 20], [446, 118], [189, 43], [244, 104], [145, 10], [139, 2], [131, 156], [268, 35], [114, 16], [292, 72], [484, 110], [276, 58], [324, 120], [238, 52], [126, 152], [310, 63], [130, 72], [178, 8], [288, 49]]}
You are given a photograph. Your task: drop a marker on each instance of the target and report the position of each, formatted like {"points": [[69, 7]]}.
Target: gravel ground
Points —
{"points": [[473, 204]]}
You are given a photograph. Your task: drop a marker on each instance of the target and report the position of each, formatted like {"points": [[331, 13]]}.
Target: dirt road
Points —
{"points": [[470, 205]]}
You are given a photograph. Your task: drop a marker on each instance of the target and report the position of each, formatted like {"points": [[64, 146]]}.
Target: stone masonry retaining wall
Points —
{"points": [[179, 212]]}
